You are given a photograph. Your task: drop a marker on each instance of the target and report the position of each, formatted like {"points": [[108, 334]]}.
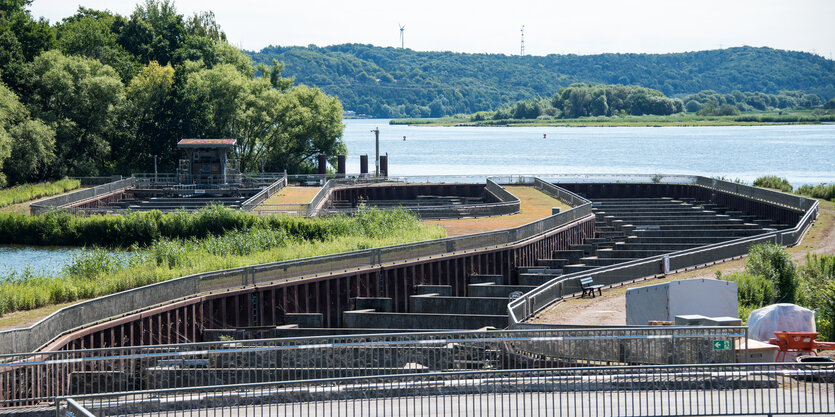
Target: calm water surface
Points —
{"points": [[803, 154], [39, 259]]}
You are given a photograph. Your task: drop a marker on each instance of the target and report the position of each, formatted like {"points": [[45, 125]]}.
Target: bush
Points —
{"points": [[776, 265], [755, 291], [773, 182], [822, 191], [817, 291]]}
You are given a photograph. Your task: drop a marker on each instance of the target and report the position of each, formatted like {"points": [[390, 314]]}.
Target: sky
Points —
{"points": [[551, 26]]}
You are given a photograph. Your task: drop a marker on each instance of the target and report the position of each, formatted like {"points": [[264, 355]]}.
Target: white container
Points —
{"points": [[707, 297]]}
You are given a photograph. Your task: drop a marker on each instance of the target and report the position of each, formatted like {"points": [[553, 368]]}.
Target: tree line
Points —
{"points": [[596, 100], [393, 82], [99, 93]]}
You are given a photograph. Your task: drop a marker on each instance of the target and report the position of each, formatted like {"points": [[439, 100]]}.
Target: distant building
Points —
{"points": [[207, 163]]}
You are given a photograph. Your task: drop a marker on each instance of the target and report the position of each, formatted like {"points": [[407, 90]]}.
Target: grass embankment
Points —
{"points": [[174, 245], [26, 192], [533, 205], [747, 119]]}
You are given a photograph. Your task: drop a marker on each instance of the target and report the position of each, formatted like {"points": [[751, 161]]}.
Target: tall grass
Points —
{"points": [[98, 273], [25, 192], [144, 228]]}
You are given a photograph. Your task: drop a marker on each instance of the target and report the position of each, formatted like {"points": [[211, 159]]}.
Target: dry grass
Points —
{"points": [[534, 205], [292, 195], [610, 308]]}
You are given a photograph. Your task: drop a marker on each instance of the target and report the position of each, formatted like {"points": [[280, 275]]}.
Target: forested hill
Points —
{"points": [[391, 82]]}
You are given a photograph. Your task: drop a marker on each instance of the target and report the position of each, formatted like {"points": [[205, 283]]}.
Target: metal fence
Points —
{"points": [[546, 294], [673, 390], [32, 378]]}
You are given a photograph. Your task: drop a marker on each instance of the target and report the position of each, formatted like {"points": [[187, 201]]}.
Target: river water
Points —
{"points": [[802, 154]]}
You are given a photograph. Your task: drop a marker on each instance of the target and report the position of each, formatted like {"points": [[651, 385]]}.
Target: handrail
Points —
{"points": [[264, 194], [84, 313], [553, 290], [60, 201]]}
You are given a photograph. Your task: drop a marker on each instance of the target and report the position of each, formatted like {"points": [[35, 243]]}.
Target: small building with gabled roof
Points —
{"points": [[206, 162]]}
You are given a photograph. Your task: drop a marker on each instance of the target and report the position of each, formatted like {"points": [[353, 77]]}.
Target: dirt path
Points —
{"points": [[534, 205], [610, 308]]}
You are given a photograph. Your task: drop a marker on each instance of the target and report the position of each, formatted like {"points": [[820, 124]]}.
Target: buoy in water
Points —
{"points": [[404, 138], [544, 135]]}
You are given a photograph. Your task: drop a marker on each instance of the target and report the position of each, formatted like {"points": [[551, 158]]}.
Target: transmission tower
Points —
{"points": [[401, 35], [522, 49]]}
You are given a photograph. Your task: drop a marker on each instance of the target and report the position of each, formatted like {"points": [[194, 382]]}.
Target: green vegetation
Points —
{"points": [[771, 276], [97, 273], [773, 182], [26, 192], [99, 93], [401, 83], [619, 105], [679, 119], [822, 191], [144, 228]]}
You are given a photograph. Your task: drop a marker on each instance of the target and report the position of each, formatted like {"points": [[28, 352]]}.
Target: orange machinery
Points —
{"points": [[798, 342]]}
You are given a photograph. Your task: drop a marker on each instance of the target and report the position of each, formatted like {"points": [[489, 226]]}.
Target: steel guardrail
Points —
{"points": [[546, 294], [58, 202], [647, 391], [51, 374]]}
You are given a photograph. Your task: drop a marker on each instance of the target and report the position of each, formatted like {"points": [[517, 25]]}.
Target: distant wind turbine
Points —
{"points": [[401, 35]]}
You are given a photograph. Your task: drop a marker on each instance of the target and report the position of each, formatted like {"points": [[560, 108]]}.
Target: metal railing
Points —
{"points": [[546, 294], [254, 201], [673, 390], [80, 196], [33, 378]]}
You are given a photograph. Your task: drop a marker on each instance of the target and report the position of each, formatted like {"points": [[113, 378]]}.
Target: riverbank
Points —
{"points": [[747, 119]]}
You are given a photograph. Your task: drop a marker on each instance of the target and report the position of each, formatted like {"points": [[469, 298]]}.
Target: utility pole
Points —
{"points": [[155, 168], [376, 133]]}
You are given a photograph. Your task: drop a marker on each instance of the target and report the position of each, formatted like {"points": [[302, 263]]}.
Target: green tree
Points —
{"points": [[149, 116], [78, 98], [89, 33], [21, 39], [26, 145], [309, 123]]}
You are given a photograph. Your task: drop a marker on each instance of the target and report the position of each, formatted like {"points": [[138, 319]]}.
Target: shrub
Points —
{"points": [[822, 191], [773, 182], [818, 292], [776, 265], [755, 291]]}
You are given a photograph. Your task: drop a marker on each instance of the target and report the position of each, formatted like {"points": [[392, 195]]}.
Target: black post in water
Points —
{"points": [[340, 165], [384, 165], [363, 164], [323, 164]]}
